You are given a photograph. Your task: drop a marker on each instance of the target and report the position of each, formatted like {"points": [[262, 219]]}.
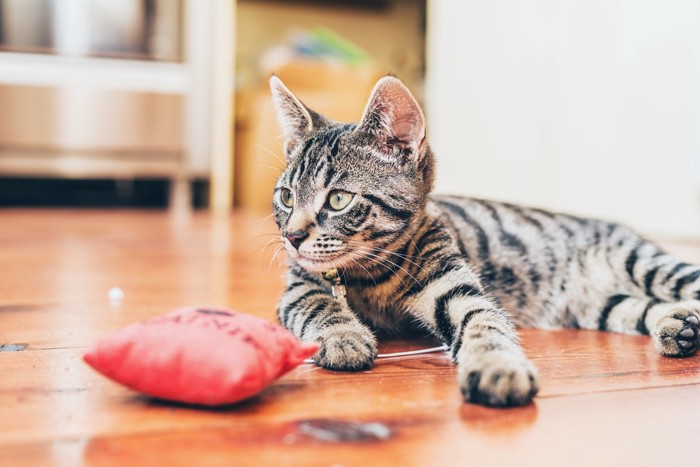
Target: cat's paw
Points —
{"points": [[677, 333], [497, 379], [350, 347]]}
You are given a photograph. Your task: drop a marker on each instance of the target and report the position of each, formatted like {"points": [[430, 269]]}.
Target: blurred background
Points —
{"points": [[585, 106]]}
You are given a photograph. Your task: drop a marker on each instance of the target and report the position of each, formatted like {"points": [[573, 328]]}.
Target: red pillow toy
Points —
{"points": [[199, 356]]}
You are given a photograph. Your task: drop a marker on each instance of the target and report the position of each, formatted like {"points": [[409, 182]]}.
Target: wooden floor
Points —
{"points": [[605, 399]]}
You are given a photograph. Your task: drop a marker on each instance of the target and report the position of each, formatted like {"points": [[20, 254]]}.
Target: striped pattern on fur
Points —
{"points": [[466, 270]]}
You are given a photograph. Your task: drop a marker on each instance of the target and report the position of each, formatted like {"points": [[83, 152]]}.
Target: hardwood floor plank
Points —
{"points": [[605, 399], [57, 382], [602, 429]]}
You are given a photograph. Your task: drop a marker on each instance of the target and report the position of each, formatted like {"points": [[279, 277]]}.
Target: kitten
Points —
{"points": [[357, 198]]}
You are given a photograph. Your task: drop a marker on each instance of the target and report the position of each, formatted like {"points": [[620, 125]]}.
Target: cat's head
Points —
{"points": [[350, 190]]}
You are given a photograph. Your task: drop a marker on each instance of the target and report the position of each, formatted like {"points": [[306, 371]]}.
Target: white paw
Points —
{"points": [[346, 347], [497, 378], [677, 333]]}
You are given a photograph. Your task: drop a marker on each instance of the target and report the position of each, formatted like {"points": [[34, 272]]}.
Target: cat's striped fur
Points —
{"points": [[467, 270]]}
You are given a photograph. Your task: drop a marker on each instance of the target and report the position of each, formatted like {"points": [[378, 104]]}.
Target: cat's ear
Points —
{"points": [[294, 118], [395, 119]]}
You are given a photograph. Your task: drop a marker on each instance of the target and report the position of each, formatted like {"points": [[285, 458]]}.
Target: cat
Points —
{"points": [[357, 198]]}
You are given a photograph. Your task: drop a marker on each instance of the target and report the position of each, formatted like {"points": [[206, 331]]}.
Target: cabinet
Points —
{"points": [[121, 115]]}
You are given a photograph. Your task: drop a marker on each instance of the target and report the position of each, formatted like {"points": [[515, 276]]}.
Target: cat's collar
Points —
{"points": [[337, 289], [332, 276]]}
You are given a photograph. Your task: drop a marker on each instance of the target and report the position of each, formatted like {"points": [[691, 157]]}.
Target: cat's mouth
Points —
{"points": [[321, 262]]}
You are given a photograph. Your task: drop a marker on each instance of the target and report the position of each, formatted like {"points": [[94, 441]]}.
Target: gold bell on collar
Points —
{"points": [[337, 289]]}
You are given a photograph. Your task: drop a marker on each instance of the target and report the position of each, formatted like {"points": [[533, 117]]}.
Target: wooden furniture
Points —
{"points": [[606, 399], [197, 144]]}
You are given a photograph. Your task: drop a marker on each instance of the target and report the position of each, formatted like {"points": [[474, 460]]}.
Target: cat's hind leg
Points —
{"points": [[655, 273], [660, 294], [674, 327], [677, 333]]}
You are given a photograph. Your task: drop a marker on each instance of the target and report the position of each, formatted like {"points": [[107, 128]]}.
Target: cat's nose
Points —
{"points": [[296, 237]]}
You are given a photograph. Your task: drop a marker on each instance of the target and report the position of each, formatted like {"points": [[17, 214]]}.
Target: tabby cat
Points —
{"points": [[357, 198]]}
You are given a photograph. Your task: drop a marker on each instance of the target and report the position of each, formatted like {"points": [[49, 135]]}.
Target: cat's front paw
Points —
{"points": [[346, 348], [497, 379], [677, 333]]}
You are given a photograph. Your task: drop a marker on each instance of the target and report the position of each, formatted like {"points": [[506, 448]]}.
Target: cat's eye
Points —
{"points": [[287, 197], [338, 199]]}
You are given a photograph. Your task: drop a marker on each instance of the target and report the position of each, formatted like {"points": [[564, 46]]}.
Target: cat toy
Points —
{"points": [[200, 356]]}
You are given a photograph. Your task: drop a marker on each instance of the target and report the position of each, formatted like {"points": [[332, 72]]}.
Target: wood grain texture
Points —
{"points": [[605, 400]]}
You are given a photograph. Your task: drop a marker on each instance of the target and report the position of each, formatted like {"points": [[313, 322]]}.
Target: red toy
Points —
{"points": [[199, 356]]}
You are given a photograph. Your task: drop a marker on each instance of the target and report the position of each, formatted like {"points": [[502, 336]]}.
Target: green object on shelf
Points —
{"points": [[340, 47]]}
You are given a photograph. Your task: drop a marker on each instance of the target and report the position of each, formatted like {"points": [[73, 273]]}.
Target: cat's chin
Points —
{"points": [[320, 264]]}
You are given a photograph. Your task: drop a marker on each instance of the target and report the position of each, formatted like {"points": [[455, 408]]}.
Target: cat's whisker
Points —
{"points": [[352, 258], [250, 241], [277, 255], [272, 131], [262, 250], [269, 262], [279, 159], [260, 224], [390, 266], [259, 236], [410, 238], [364, 248], [277, 170], [374, 261], [381, 250], [382, 260]]}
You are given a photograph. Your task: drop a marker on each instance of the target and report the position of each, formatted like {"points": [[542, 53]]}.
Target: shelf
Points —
{"points": [[109, 73], [93, 164]]}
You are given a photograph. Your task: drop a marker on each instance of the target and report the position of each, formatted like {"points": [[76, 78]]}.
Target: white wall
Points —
{"points": [[585, 106]]}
